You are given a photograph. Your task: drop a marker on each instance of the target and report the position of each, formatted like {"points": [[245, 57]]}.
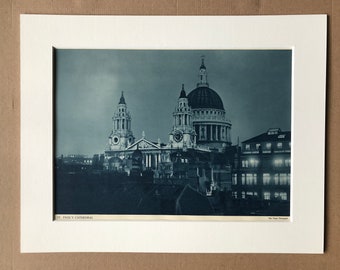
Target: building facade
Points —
{"points": [[263, 168]]}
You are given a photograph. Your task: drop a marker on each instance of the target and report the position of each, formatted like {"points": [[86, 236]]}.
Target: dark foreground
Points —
{"points": [[107, 193]]}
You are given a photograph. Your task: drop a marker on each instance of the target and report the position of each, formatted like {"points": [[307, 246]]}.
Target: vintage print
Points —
{"points": [[177, 133]]}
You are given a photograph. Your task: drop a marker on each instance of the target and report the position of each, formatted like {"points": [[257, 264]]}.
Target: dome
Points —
{"points": [[205, 97]]}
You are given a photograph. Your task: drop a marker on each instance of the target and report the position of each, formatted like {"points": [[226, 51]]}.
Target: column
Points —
{"points": [[216, 133], [211, 132]]}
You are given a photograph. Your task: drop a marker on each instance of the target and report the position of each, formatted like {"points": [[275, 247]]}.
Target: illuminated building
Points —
{"points": [[263, 169]]}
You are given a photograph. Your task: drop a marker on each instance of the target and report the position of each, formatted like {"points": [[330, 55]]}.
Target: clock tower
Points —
{"points": [[121, 135], [183, 135]]}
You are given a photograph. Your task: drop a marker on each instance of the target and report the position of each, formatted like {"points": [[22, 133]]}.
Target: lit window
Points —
{"points": [[276, 179], [287, 162], [250, 193], [234, 180], [243, 195], [266, 178], [258, 145], [276, 195], [234, 194], [247, 146], [245, 163], [283, 179], [253, 162], [279, 145], [266, 195], [278, 162], [283, 196], [243, 179], [268, 145], [251, 179]]}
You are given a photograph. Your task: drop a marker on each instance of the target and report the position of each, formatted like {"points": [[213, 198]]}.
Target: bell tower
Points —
{"points": [[121, 135], [183, 134]]}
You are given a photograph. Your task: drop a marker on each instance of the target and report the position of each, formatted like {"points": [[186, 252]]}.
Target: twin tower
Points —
{"points": [[199, 120]]}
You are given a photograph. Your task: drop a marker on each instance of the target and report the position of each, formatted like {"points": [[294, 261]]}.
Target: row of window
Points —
{"points": [[266, 195], [253, 163], [183, 104], [87, 161], [183, 121], [210, 132], [121, 124], [267, 179], [183, 109], [267, 145], [250, 163], [208, 112]]}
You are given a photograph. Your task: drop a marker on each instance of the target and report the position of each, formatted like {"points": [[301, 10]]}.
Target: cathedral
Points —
{"points": [[200, 127]]}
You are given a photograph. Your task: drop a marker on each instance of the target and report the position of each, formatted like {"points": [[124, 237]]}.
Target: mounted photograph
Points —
{"points": [[172, 134], [137, 139]]}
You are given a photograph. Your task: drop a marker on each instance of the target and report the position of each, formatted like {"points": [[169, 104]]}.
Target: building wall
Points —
{"points": [[263, 171]]}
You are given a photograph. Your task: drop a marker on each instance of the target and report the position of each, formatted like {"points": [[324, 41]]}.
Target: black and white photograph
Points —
{"points": [[175, 133]]}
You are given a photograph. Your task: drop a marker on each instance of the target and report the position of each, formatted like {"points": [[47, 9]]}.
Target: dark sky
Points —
{"points": [[255, 87]]}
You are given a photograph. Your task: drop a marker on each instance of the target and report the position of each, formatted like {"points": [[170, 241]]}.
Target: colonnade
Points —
{"points": [[151, 160], [121, 124], [211, 132], [182, 120]]}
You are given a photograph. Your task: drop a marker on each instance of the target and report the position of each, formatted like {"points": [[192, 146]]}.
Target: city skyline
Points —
{"points": [[254, 85]]}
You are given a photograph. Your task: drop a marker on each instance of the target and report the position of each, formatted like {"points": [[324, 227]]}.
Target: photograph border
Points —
{"points": [[40, 33], [74, 157]]}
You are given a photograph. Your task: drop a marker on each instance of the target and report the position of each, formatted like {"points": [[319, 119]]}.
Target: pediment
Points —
{"points": [[143, 144]]}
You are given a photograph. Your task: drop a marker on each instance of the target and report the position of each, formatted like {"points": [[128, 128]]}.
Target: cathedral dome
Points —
{"points": [[205, 97]]}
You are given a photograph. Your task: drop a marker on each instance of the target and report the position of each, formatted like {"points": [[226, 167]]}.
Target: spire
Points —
{"points": [[183, 94], [202, 64], [122, 99], [202, 75]]}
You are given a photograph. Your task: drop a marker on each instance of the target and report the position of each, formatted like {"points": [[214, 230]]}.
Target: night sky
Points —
{"points": [[254, 85]]}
